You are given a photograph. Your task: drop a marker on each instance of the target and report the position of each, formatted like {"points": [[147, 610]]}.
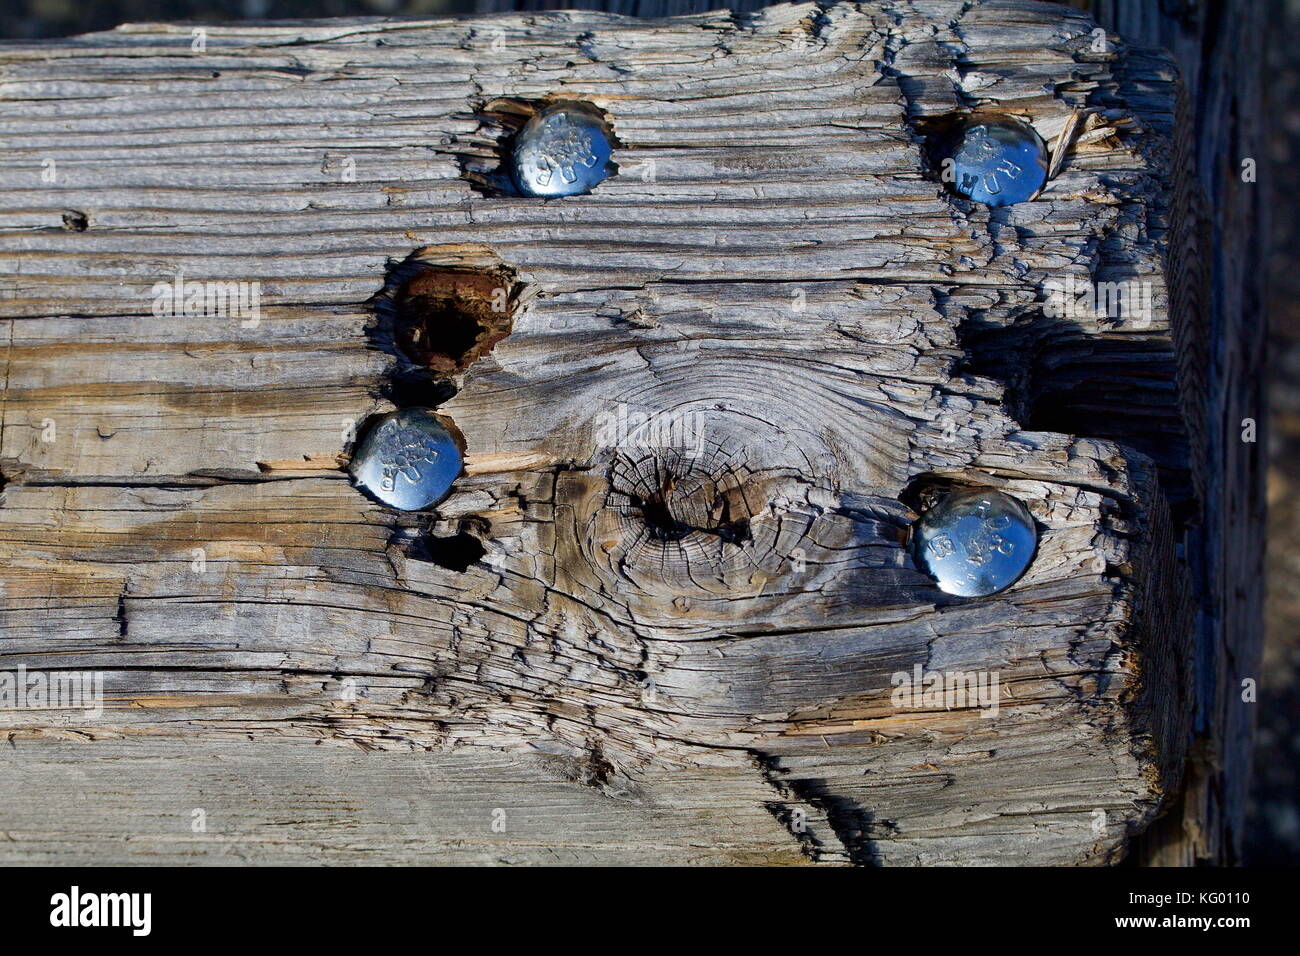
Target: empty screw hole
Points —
{"points": [[455, 552], [435, 334], [442, 320]]}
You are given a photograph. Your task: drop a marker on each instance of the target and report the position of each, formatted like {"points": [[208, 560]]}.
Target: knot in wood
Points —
{"points": [[709, 520]]}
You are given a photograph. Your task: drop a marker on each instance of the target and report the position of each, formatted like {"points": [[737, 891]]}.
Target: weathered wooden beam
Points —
{"points": [[773, 265], [1219, 49]]}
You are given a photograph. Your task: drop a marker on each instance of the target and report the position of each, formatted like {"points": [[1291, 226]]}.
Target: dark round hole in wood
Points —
{"points": [[442, 320], [455, 552], [436, 334]]}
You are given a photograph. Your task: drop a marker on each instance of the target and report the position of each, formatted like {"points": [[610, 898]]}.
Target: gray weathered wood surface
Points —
{"points": [[325, 692], [1219, 51]]}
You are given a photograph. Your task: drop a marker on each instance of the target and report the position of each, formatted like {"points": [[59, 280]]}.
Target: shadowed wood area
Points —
{"points": [[663, 615]]}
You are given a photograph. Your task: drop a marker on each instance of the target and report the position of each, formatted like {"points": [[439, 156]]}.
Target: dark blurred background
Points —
{"points": [[1273, 825], [1273, 815]]}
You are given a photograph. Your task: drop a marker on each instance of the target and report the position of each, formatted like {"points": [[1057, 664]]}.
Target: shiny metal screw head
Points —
{"points": [[562, 151], [996, 161], [975, 543], [407, 460]]}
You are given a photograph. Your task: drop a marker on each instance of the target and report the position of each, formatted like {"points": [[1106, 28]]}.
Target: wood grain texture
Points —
{"points": [[635, 697], [1219, 49]]}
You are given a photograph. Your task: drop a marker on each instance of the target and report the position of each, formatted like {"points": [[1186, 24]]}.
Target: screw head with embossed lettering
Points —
{"points": [[996, 161], [564, 150], [975, 543], [408, 460]]}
